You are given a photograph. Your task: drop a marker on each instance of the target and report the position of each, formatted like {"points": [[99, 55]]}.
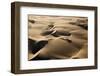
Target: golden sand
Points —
{"points": [[57, 48]]}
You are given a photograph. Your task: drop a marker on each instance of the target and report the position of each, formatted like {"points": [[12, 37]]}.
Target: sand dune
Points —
{"points": [[60, 46]]}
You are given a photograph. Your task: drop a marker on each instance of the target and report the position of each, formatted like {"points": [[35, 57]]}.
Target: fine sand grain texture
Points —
{"points": [[57, 37]]}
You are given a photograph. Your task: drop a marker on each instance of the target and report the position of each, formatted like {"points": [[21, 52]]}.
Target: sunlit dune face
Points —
{"points": [[66, 39]]}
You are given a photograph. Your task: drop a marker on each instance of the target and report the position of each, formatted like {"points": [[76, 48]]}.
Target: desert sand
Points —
{"points": [[72, 45]]}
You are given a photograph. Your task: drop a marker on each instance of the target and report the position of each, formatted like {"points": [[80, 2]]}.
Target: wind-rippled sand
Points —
{"points": [[57, 47]]}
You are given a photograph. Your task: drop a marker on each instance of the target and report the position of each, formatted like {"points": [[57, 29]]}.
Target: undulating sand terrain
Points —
{"points": [[57, 37]]}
